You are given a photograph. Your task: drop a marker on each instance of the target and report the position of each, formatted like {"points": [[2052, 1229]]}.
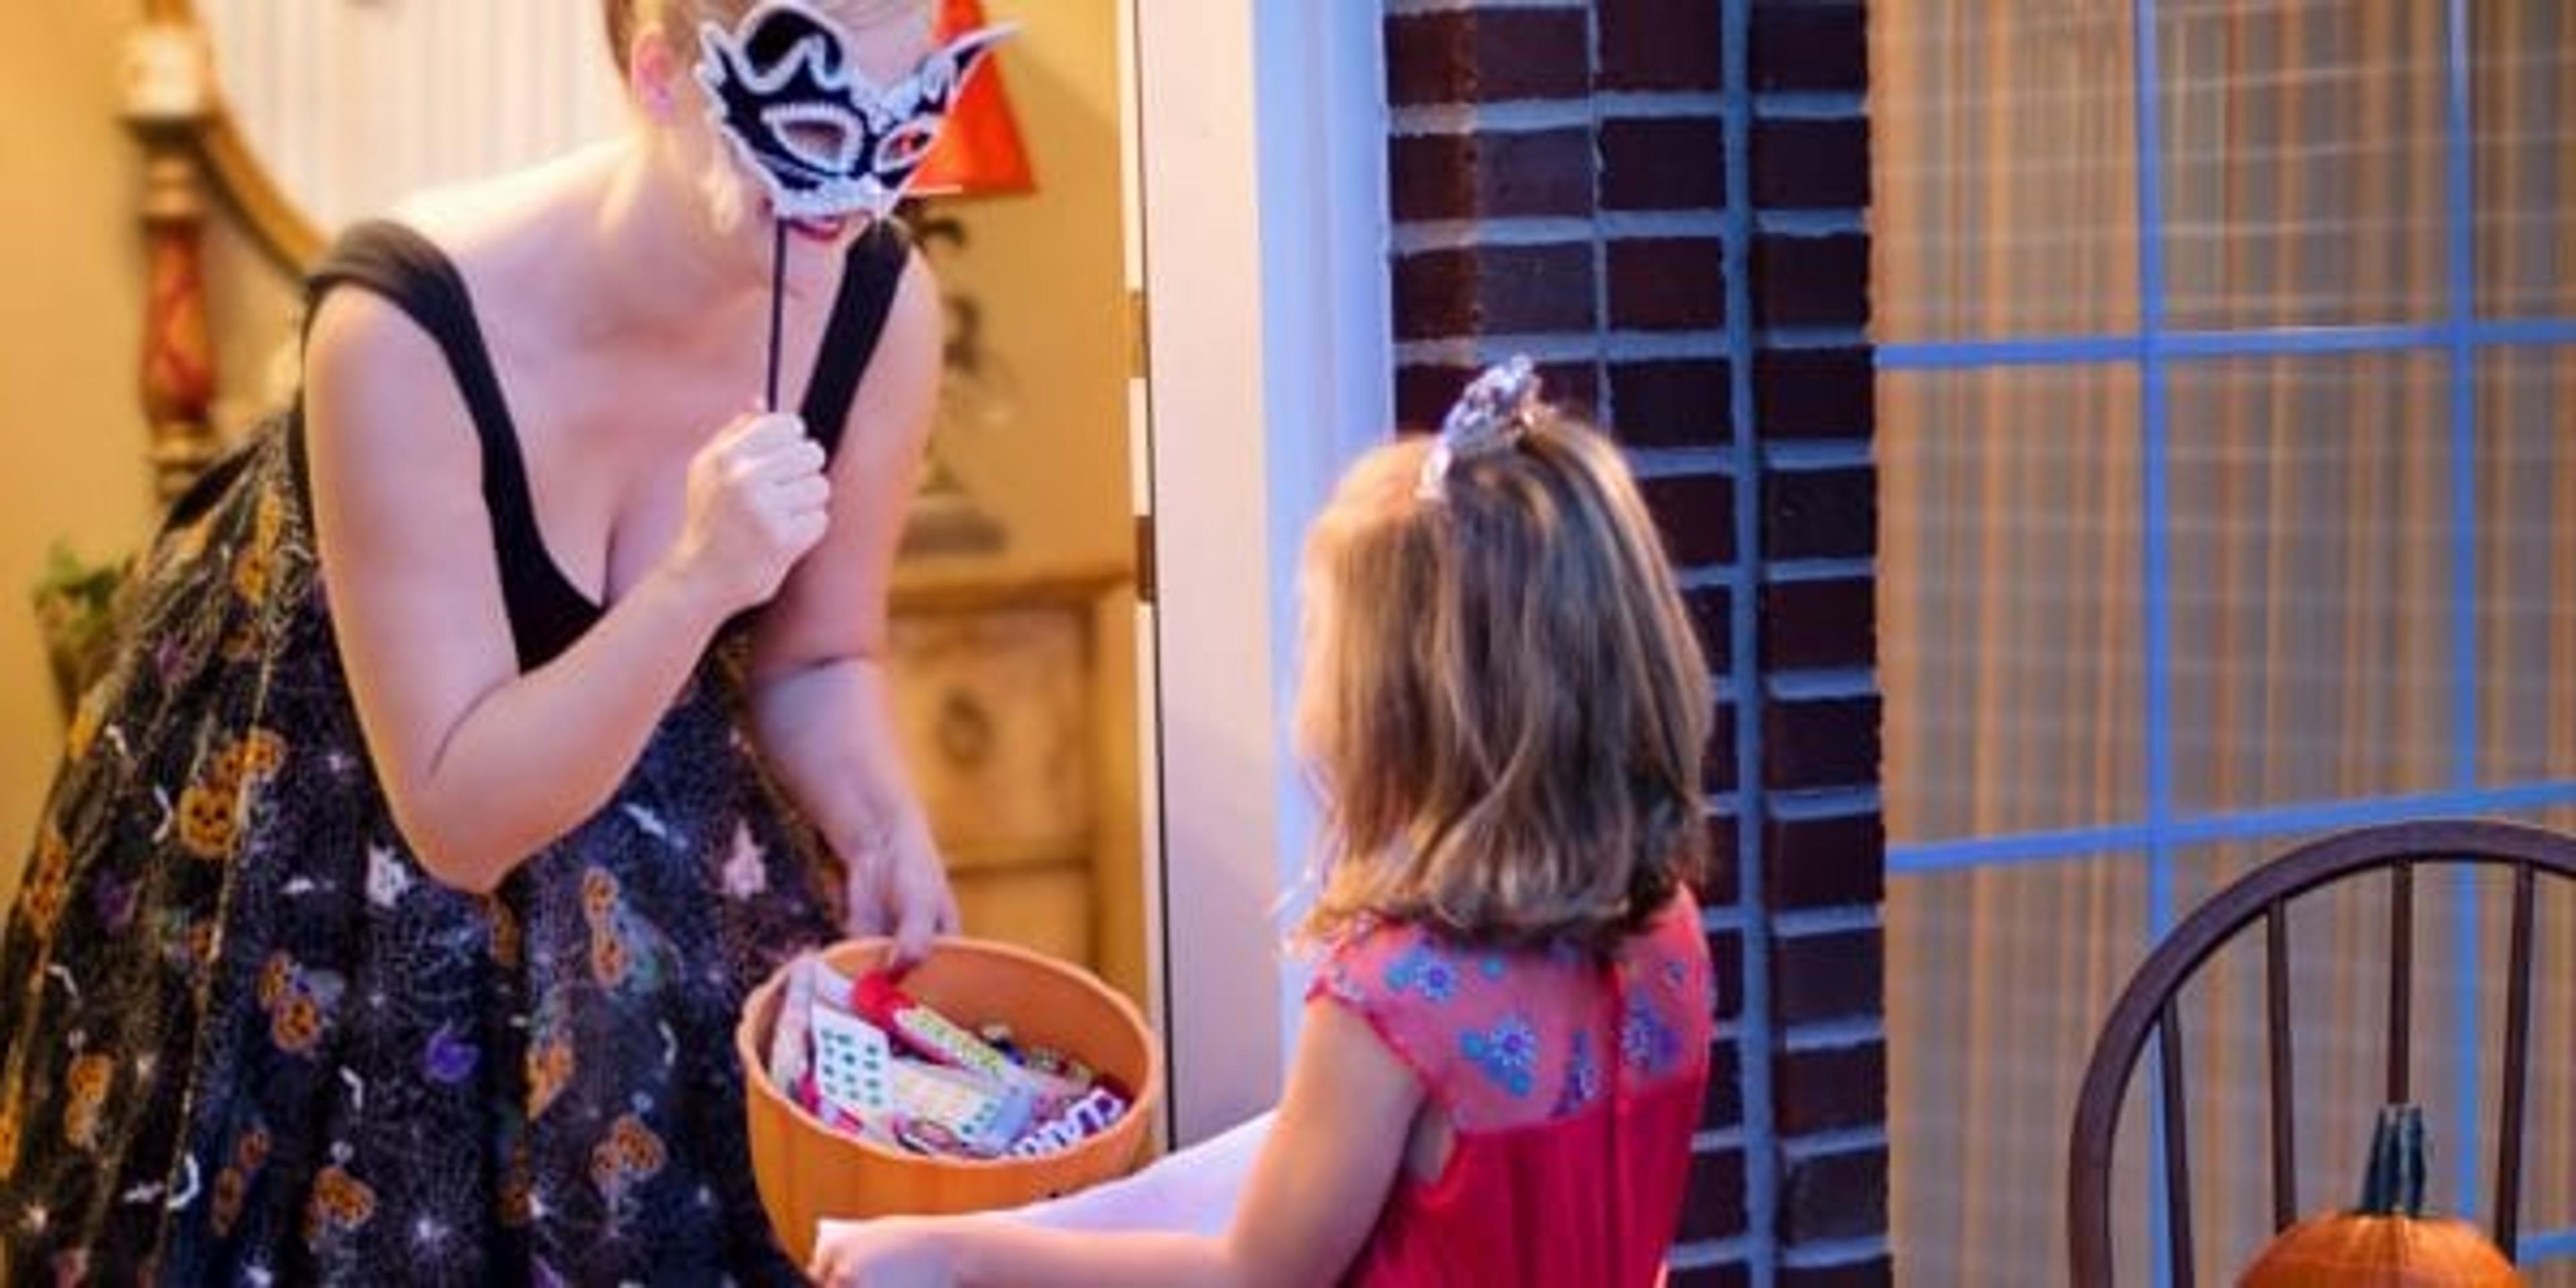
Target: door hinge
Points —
{"points": [[1145, 559], [1139, 346]]}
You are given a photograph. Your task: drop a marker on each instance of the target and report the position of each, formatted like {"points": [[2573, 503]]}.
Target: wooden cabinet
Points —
{"points": [[1008, 701]]}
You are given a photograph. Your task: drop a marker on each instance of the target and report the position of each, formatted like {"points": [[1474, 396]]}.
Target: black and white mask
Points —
{"points": [[821, 138]]}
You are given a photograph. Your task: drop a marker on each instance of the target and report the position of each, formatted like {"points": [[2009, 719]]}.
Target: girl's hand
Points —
{"points": [[898, 886], [757, 501], [893, 1252]]}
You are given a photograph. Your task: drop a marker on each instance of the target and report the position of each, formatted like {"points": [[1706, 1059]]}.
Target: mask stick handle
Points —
{"points": [[777, 302]]}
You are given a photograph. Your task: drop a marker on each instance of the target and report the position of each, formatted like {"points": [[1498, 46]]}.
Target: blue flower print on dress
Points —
{"points": [[1421, 970], [1507, 1055], [1582, 1077], [449, 1059], [1491, 967], [1647, 1043]]}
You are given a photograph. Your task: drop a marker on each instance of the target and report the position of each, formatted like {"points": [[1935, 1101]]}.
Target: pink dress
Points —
{"points": [[1573, 1086]]}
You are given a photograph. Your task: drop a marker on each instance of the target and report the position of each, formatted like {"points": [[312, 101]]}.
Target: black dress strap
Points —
{"points": [[869, 280], [547, 612]]}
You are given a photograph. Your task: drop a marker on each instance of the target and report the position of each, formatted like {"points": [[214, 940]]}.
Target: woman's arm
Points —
{"points": [[482, 765], [819, 702], [1315, 1193]]}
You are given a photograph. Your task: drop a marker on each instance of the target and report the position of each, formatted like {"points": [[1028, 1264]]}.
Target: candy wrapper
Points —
{"points": [[998, 1037], [1056, 1064], [936, 1038], [985, 1117], [854, 1074], [1080, 1121], [789, 1046]]}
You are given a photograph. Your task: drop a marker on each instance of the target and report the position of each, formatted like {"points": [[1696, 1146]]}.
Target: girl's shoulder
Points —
{"points": [[1376, 964], [1669, 959], [1668, 986], [1444, 1008], [1504, 1036]]}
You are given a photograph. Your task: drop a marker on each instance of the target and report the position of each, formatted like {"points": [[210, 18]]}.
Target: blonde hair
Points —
{"points": [[1503, 702], [626, 17], [623, 18]]}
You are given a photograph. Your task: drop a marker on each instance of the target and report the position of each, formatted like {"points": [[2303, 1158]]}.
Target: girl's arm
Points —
{"points": [[481, 764], [1315, 1193], [819, 703]]}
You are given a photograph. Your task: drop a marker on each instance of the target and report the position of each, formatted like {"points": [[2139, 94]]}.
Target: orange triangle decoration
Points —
{"points": [[979, 152]]}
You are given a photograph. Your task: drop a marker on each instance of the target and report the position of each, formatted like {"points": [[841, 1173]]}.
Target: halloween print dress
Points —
{"points": [[245, 1038]]}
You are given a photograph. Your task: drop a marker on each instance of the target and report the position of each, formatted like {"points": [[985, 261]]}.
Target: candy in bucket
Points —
{"points": [[870, 1061]]}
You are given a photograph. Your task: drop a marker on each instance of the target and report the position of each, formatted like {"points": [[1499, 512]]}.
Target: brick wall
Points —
{"points": [[1664, 202]]}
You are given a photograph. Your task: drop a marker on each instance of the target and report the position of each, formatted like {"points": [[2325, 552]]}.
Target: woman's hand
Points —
{"points": [[897, 885], [757, 501], [894, 1252]]}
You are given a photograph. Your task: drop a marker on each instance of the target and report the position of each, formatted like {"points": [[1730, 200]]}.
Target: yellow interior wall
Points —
{"points": [[1046, 269], [71, 282], [1050, 462]]}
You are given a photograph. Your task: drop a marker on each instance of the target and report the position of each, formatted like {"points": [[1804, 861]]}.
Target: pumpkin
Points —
{"points": [[2387, 1242]]}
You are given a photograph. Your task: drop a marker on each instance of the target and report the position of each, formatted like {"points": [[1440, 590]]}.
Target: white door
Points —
{"points": [[1257, 176]]}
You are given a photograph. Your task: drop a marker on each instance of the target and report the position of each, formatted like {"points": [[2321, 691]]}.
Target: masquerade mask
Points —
{"points": [[824, 141]]}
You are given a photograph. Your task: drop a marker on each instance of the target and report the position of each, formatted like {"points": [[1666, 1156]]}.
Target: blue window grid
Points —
{"points": [[2154, 349], [1761, 1167]]}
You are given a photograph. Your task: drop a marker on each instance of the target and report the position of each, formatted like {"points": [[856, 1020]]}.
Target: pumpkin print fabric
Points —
{"points": [[244, 1037], [1573, 1086]]}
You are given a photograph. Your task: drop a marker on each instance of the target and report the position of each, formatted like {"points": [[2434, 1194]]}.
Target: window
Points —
{"points": [[2228, 428]]}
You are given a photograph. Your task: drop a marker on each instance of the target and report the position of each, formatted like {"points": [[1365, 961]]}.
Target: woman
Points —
{"points": [[487, 727]]}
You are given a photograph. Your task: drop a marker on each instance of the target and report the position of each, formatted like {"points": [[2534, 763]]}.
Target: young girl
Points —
{"points": [[1506, 1044]]}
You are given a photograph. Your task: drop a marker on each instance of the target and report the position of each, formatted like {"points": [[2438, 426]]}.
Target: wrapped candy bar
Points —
{"points": [[854, 1074], [999, 1037], [923, 1136], [1056, 1064], [983, 1116], [1084, 1119], [935, 1037]]}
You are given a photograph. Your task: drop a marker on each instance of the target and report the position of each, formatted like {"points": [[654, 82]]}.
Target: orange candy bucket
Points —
{"points": [[808, 1172]]}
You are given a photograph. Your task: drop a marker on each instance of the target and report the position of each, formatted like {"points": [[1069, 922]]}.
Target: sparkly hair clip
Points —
{"points": [[1493, 413]]}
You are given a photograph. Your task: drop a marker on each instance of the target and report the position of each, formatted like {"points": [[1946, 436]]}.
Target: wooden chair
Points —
{"points": [[2148, 1004]]}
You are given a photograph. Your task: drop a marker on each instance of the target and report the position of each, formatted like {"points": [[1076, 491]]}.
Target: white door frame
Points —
{"points": [[1259, 183]]}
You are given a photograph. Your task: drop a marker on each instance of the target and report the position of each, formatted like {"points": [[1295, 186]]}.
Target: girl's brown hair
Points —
{"points": [[1503, 702]]}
